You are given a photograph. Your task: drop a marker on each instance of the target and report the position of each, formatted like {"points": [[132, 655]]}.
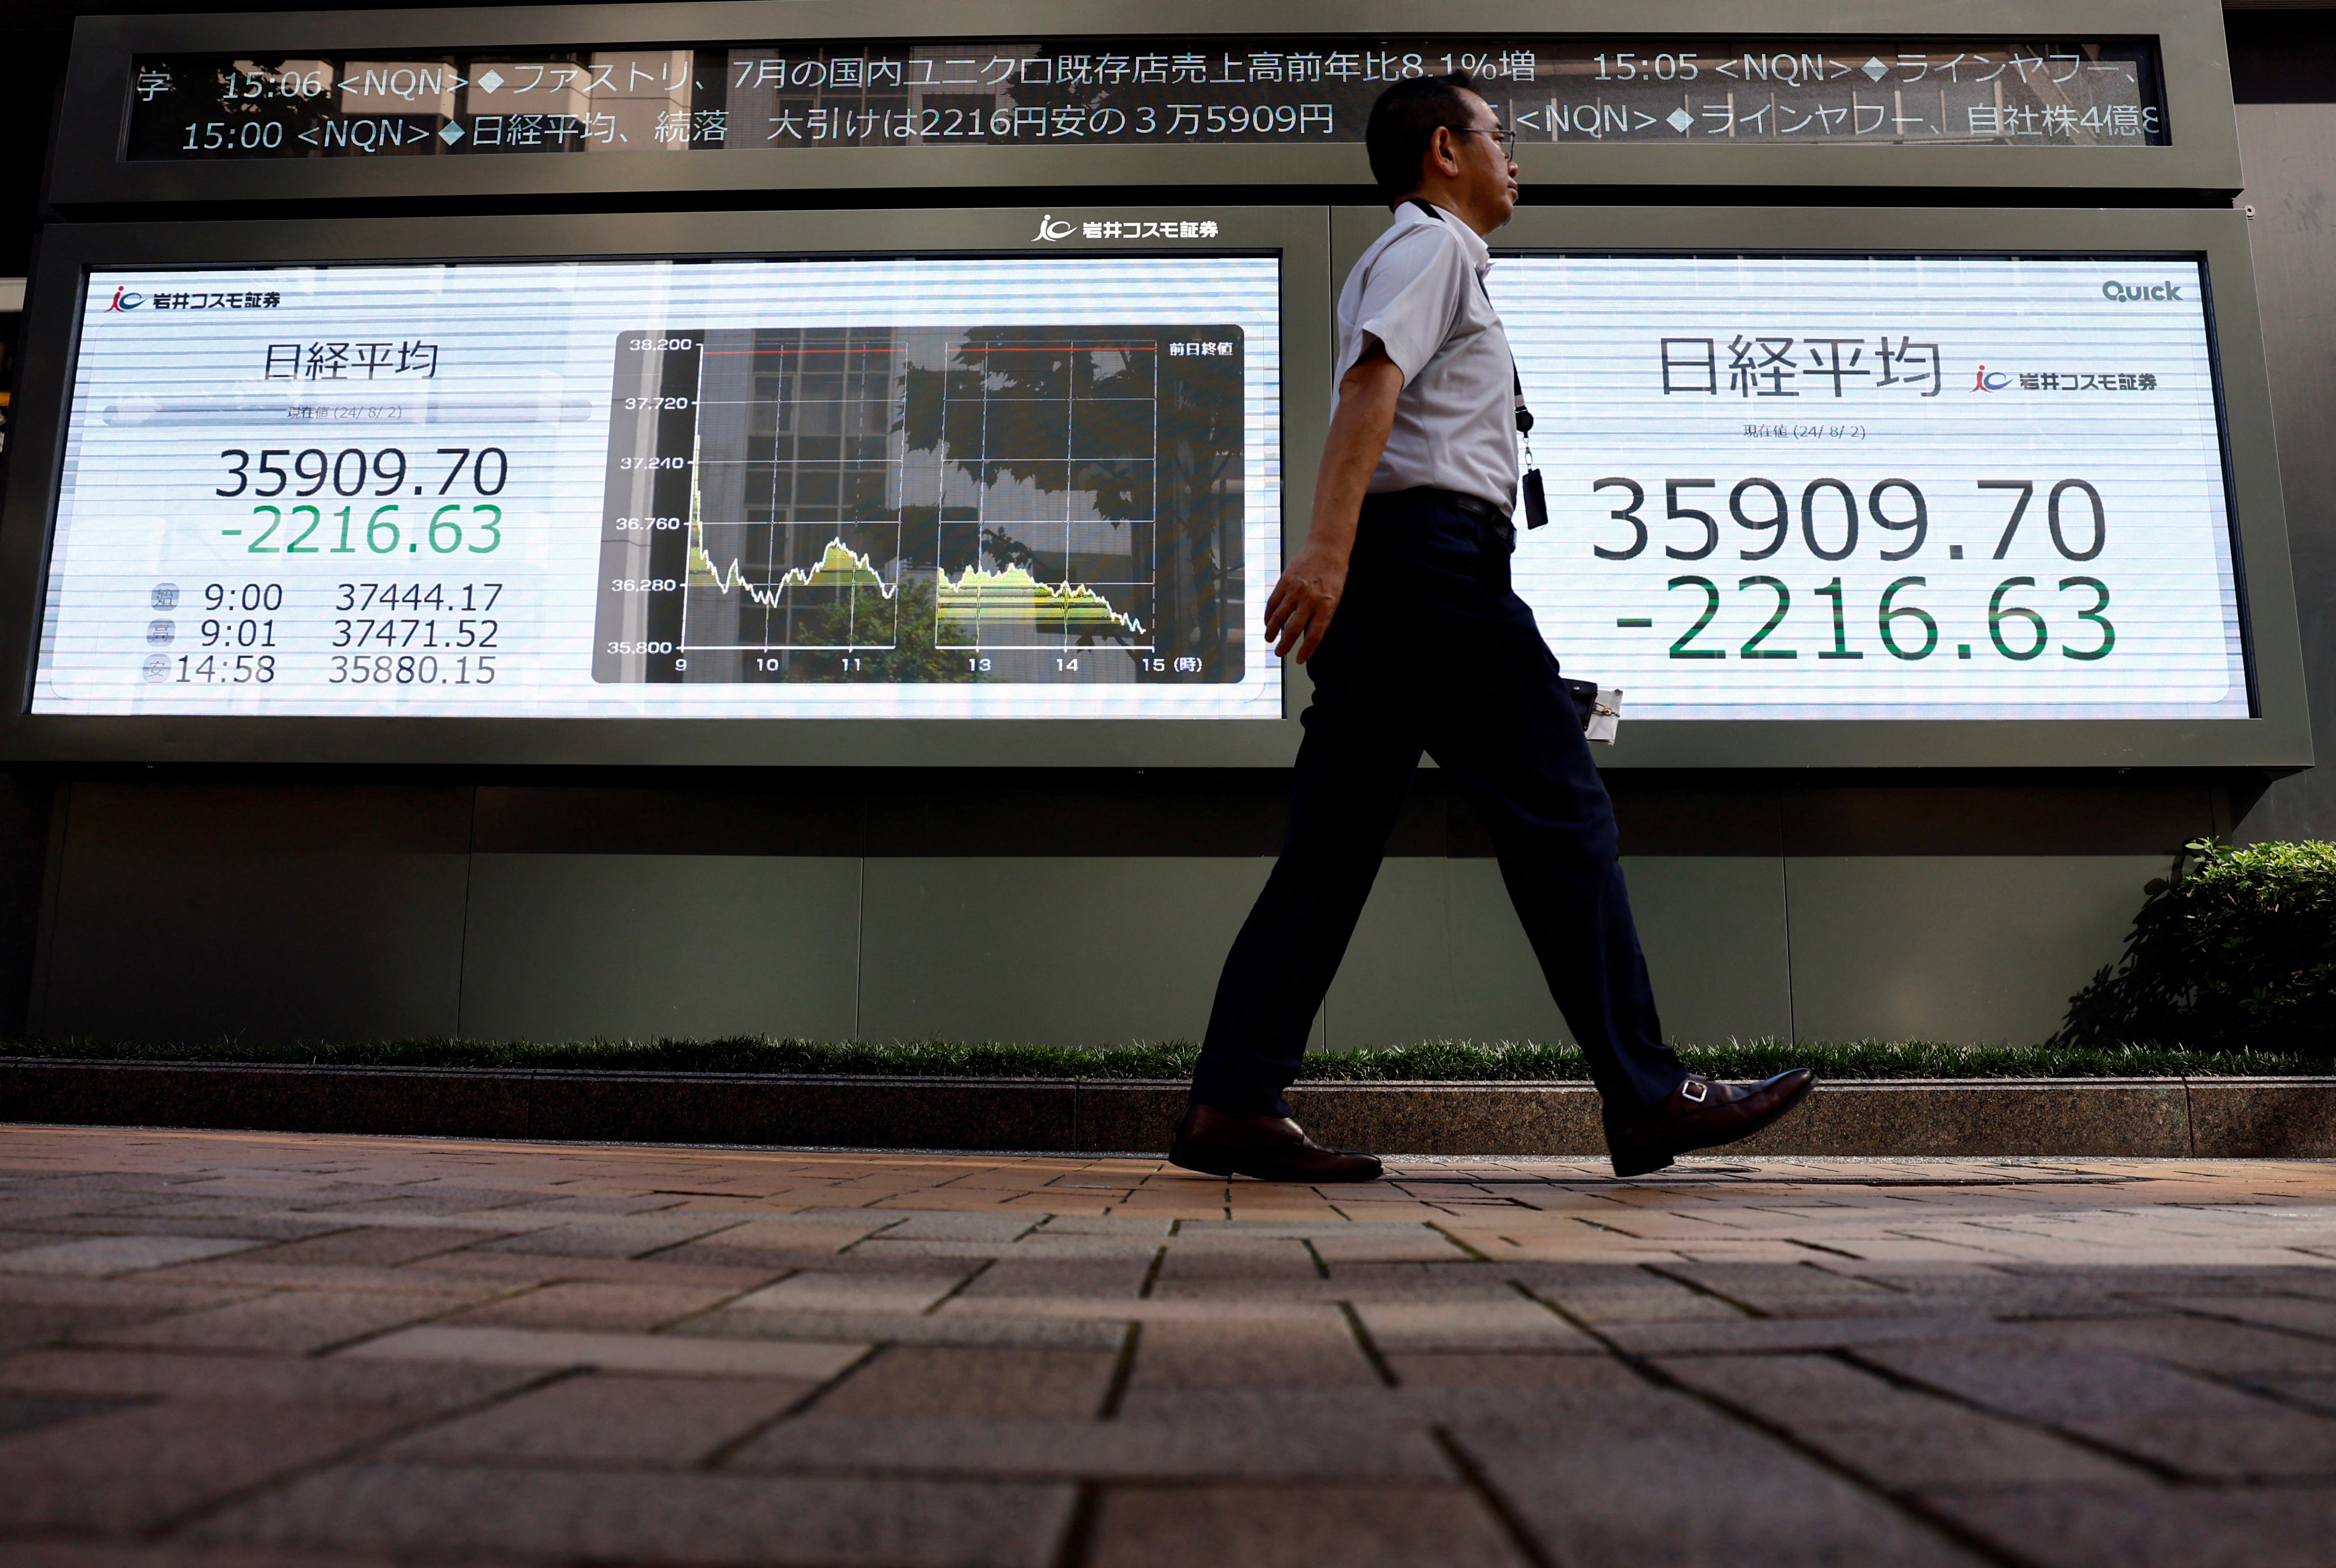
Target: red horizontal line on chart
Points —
{"points": [[986, 348]]}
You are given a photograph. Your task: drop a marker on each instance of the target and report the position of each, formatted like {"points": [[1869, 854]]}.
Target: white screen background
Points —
{"points": [[1589, 337]]}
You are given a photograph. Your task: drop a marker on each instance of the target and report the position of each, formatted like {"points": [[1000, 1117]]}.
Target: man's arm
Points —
{"points": [[1307, 594]]}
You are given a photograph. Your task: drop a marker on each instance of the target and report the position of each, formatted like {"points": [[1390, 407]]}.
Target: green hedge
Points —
{"points": [[1508, 1061], [2235, 949]]}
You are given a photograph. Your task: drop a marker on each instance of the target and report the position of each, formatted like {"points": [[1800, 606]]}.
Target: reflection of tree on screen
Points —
{"points": [[912, 658], [1002, 412]]}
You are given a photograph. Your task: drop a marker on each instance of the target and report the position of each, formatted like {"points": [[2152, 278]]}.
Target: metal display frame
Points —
{"points": [[1299, 235], [2201, 161]]}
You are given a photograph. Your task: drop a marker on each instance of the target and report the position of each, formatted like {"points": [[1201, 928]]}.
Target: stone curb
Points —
{"points": [[2222, 1118]]}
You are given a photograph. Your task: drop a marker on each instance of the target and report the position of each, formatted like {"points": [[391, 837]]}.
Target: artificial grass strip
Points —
{"points": [[1430, 1061]]}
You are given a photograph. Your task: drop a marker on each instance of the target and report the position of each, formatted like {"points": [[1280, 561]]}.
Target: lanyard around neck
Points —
{"points": [[1516, 382]]}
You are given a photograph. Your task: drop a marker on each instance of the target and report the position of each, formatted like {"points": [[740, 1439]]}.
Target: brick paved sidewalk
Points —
{"points": [[244, 1349]]}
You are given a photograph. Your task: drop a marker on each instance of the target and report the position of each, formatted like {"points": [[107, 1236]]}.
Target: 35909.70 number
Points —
{"points": [[351, 469]]}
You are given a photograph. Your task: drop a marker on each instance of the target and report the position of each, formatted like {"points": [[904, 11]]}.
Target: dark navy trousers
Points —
{"points": [[1431, 651]]}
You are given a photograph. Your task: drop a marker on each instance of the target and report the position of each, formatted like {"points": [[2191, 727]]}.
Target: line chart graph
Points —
{"points": [[943, 502]]}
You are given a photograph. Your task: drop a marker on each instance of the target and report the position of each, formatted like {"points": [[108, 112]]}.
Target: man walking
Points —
{"points": [[1409, 550]]}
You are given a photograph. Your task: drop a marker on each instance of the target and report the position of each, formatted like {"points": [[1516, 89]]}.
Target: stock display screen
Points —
{"points": [[912, 487], [1880, 488]]}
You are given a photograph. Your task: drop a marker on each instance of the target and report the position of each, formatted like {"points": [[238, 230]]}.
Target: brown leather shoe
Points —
{"points": [[1270, 1148], [1703, 1115]]}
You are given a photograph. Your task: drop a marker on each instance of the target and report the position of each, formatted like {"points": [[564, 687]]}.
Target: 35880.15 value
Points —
{"points": [[412, 669]]}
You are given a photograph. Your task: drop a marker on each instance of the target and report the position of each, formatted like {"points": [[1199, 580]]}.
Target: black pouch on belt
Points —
{"points": [[1584, 693]]}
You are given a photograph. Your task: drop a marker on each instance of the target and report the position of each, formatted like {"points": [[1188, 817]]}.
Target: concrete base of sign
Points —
{"points": [[2204, 1117]]}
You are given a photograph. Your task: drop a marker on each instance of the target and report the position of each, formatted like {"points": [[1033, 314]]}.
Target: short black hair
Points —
{"points": [[1405, 120]]}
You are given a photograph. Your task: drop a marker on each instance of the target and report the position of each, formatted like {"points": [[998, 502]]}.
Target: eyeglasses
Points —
{"points": [[1507, 139]]}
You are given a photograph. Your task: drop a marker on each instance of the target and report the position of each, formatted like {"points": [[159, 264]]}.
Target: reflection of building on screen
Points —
{"points": [[910, 494]]}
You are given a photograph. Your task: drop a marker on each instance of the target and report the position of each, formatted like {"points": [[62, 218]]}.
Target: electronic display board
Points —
{"points": [[869, 487], [1181, 89], [1882, 487]]}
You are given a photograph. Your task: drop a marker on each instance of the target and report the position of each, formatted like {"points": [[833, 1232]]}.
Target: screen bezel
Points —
{"points": [[1298, 237]]}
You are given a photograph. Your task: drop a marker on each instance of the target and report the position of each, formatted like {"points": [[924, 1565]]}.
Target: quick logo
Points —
{"points": [[2134, 293]]}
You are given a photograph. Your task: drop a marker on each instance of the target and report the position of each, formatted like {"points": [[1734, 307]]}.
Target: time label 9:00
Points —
{"points": [[350, 469]]}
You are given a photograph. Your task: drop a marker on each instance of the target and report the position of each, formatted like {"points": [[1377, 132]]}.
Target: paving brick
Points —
{"points": [[824, 1291], [451, 1198], [960, 1227], [2172, 1418], [2200, 1344], [292, 1322], [1212, 1258], [611, 1238], [1512, 1370], [101, 1256], [1896, 1438], [514, 1513], [1007, 1385], [136, 1469], [1113, 1225], [664, 1269], [1097, 1450], [1376, 1245], [636, 1308], [256, 1380], [2104, 1528], [1731, 1336], [1504, 1322], [1314, 1351], [1298, 1527], [2297, 1315], [1635, 1481], [170, 1221], [1619, 1293], [1072, 1333], [1108, 1278], [610, 1419], [387, 1245], [612, 1352], [175, 1554]]}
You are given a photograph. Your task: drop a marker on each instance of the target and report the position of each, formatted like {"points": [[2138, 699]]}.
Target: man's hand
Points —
{"points": [[1307, 595], [1304, 599]]}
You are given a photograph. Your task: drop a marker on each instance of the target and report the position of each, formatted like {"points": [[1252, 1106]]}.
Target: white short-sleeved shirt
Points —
{"points": [[1419, 291]]}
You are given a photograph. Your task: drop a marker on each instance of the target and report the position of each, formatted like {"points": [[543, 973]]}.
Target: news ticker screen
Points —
{"points": [[1811, 487], [1789, 487], [905, 488]]}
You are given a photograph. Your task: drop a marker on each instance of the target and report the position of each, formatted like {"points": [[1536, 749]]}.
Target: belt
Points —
{"points": [[1476, 506]]}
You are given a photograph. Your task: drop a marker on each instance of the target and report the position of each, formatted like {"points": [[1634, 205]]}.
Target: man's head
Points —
{"points": [[1427, 136]]}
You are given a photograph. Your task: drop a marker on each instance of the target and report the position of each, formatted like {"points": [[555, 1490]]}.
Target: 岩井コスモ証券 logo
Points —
{"points": [[124, 300], [1052, 228], [2065, 380]]}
